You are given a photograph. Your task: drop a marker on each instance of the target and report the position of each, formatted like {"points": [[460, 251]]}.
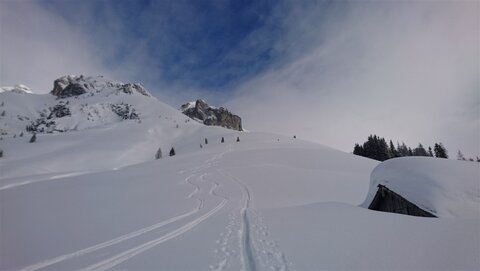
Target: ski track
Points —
{"points": [[126, 255], [269, 256], [141, 248]]}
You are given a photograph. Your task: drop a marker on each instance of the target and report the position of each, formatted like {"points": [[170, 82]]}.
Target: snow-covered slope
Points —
{"points": [[95, 198]]}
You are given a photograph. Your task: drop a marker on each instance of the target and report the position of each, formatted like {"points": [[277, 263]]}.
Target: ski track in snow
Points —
{"points": [[59, 176], [126, 255], [256, 252], [268, 255]]}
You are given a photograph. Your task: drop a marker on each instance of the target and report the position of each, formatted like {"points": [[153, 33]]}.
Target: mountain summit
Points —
{"points": [[212, 116]]}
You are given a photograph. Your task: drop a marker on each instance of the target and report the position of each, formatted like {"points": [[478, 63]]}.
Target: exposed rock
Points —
{"points": [[71, 85], [125, 111], [212, 116]]}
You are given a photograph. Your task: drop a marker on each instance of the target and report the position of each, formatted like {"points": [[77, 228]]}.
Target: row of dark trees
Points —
{"points": [[377, 148]]}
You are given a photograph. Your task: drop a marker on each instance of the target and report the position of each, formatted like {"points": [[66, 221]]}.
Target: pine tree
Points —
{"points": [[33, 138], [206, 141], [21, 134], [158, 155], [430, 152], [478, 159], [172, 152], [420, 151], [3, 113], [1, 153], [294, 136], [238, 139], [393, 151], [440, 151], [460, 156], [358, 150], [223, 140], [201, 146]]}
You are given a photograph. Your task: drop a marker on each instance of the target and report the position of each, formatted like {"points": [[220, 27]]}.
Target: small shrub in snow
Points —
{"points": [[206, 141], [1, 153], [158, 155], [238, 139], [33, 138], [223, 140], [21, 134], [172, 152], [201, 146]]}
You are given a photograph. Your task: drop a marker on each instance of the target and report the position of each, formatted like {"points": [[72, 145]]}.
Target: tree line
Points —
{"points": [[377, 148]]}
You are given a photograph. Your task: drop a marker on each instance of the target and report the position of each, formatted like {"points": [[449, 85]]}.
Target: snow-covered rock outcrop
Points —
{"points": [[71, 85], [446, 188], [212, 116], [16, 89], [75, 103]]}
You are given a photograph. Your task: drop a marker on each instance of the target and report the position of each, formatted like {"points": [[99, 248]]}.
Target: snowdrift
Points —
{"points": [[446, 188]]}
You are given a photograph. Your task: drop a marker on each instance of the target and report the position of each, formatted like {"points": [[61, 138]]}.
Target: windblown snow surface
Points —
{"points": [[95, 199]]}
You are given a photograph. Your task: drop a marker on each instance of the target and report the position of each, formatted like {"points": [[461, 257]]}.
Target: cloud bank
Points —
{"points": [[408, 71]]}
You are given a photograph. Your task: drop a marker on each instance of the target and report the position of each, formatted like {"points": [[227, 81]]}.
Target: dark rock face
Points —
{"points": [[212, 116], [68, 86]]}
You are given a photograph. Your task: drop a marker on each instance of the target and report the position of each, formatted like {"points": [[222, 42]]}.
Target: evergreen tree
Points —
{"points": [[3, 113], [21, 134], [294, 136], [1, 153], [375, 148], [33, 138], [238, 139], [478, 159], [223, 140], [358, 150], [201, 146], [420, 151], [172, 152], [206, 141], [402, 149], [440, 151], [430, 152], [460, 156], [393, 151], [158, 155]]}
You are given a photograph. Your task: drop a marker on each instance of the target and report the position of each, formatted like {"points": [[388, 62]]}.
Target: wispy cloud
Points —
{"points": [[37, 46], [403, 70]]}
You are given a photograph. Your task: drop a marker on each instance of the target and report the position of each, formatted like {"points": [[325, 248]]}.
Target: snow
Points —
{"points": [[16, 89], [446, 188], [94, 198]]}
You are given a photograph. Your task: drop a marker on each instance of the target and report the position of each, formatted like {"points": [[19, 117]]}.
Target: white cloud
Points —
{"points": [[406, 71], [38, 46]]}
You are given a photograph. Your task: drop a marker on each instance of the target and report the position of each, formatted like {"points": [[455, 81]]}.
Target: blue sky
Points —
{"points": [[204, 44], [328, 71]]}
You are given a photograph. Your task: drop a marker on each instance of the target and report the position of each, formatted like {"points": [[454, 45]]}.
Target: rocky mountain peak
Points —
{"points": [[72, 85], [212, 116]]}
